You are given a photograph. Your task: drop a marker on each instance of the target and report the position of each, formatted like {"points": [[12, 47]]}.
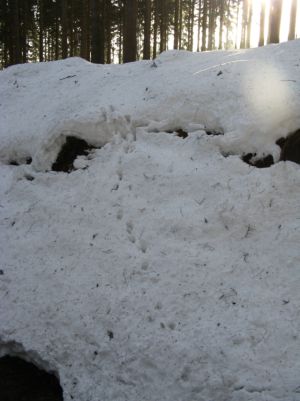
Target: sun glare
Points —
{"points": [[234, 35], [285, 20]]}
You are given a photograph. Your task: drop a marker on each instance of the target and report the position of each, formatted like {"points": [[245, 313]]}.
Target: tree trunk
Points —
{"points": [[180, 24], [176, 24], [15, 48], [191, 25], [204, 25], [262, 24], [199, 26], [84, 24], [107, 35], [41, 30], [274, 21], [147, 30], [249, 25], [245, 25], [97, 39], [222, 11], [212, 25], [292, 31], [130, 31], [163, 26], [64, 27]]}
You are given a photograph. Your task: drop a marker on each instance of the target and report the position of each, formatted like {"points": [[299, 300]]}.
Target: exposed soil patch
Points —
{"points": [[290, 147], [72, 148], [23, 381], [264, 162]]}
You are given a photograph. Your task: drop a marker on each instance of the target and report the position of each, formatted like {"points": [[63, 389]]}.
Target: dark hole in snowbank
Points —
{"points": [[213, 132], [27, 160], [290, 147], [23, 381], [264, 162], [72, 148], [179, 132], [184, 134]]}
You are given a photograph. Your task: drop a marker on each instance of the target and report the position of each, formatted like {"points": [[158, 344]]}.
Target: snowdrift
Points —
{"points": [[162, 267]]}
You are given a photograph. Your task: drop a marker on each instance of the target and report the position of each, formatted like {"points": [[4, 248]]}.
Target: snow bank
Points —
{"points": [[162, 270]]}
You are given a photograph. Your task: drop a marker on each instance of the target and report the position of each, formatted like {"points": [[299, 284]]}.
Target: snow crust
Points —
{"points": [[159, 270]]}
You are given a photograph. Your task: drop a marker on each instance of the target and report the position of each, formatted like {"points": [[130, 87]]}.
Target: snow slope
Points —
{"points": [[159, 270]]}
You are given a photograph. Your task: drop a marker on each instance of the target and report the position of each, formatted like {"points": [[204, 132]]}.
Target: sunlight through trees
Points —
{"points": [[105, 31]]}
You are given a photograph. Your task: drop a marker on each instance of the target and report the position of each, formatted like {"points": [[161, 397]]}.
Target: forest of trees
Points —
{"points": [[105, 31]]}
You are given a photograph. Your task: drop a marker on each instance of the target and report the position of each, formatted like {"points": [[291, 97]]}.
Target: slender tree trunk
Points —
{"points": [[155, 28], [176, 24], [262, 24], [292, 31], [5, 14], [212, 25], [237, 23], [204, 25], [222, 11], [15, 56], [64, 27], [24, 17], [274, 21], [249, 25], [84, 24], [130, 31], [180, 24], [97, 39], [199, 26], [245, 24], [108, 36], [41, 30], [147, 30], [163, 26], [191, 25]]}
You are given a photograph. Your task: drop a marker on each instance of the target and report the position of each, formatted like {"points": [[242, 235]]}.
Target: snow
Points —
{"points": [[158, 270]]}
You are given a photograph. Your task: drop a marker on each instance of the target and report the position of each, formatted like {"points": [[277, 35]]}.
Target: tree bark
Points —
{"points": [[274, 21], [130, 31], [97, 39], [262, 24], [222, 11], [176, 24], [204, 25], [84, 24], [15, 48], [293, 15], [64, 27], [41, 30], [199, 26], [147, 30], [163, 26]]}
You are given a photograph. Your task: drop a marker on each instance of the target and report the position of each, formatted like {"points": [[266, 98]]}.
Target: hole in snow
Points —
{"points": [[263, 162], [213, 132], [290, 147], [14, 162], [178, 132], [72, 148], [23, 381]]}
